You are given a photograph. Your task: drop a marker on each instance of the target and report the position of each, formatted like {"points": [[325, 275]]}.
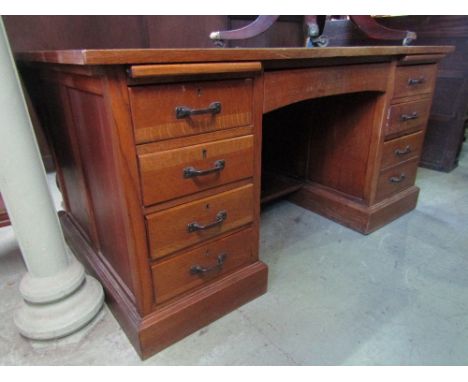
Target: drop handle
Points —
{"points": [[397, 179], [409, 117], [191, 172], [200, 270], [184, 111], [221, 216], [401, 152], [416, 81]]}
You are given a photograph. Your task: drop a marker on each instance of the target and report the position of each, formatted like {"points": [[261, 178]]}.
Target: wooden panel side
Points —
{"points": [[60, 127], [127, 177], [94, 140], [86, 119], [340, 143]]}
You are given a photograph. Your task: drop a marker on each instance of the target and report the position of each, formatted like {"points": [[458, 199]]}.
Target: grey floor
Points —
{"points": [[396, 297]]}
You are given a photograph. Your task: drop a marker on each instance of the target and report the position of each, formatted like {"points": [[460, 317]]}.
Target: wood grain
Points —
{"points": [[167, 230], [173, 322], [144, 71], [127, 178], [301, 84], [153, 108], [399, 149], [405, 171], [156, 56], [396, 123], [162, 171], [425, 73], [173, 276], [355, 215], [340, 142]]}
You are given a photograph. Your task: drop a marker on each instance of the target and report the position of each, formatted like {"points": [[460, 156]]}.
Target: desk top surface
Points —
{"points": [[167, 56]]}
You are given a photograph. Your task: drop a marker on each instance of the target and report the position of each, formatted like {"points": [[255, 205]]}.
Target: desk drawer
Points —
{"points": [[163, 111], [407, 117], [182, 226], [413, 80], [170, 174], [396, 179], [402, 149], [194, 268]]}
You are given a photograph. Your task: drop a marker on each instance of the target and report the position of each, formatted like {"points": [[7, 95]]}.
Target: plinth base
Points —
{"points": [[352, 214]]}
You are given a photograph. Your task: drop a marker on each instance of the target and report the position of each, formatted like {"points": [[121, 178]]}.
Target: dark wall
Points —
{"points": [[107, 32]]}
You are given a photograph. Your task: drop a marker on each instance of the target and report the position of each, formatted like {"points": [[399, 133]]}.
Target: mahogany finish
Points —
{"points": [[407, 117], [160, 166], [178, 274], [411, 80], [395, 179], [150, 126], [301, 84], [236, 155], [404, 148], [168, 230]]}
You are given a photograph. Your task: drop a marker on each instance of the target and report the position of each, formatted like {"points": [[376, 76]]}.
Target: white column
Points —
{"points": [[58, 297]]}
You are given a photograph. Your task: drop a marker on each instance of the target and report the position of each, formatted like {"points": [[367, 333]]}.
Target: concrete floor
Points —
{"points": [[396, 297]]}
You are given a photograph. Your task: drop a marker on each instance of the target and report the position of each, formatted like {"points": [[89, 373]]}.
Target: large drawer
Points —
{"points": [[414, 80], [407, 117], [179, 227], [196, 267], [396, 179], [175, 110], [173, 173], [401, 149]]}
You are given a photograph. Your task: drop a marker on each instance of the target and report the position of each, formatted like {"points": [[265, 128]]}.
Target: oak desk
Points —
{"points": [[159, 162]]}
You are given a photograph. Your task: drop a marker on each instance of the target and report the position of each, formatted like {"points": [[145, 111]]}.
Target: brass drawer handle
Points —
{"points": [[191, 172], [401, 152], [184, 111], [398, 179], [408, 117], [416, 81], [220, 217], [199, 270]]}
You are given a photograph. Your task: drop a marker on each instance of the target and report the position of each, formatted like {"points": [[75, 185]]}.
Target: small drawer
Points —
{"points": [[176, 110], [396, 179], [401, 149], [170, 174], [196, 267], [413, 80], [407, 117], [191, 223]]}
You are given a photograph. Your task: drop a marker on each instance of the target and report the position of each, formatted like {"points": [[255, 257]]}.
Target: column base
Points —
{"points": [[40, 290], [62, 317]]}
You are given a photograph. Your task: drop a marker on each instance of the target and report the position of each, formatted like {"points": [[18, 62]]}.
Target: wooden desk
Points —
{"points": [[159, 161]]}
